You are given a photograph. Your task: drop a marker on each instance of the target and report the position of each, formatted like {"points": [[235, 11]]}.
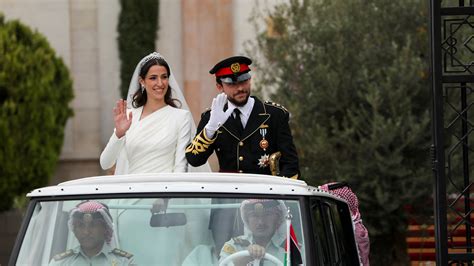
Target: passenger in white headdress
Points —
{"points": [[264, 232], [92, 225]]}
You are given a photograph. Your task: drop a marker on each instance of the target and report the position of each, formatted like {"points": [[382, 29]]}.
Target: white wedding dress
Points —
{"points": [[156, 144]]}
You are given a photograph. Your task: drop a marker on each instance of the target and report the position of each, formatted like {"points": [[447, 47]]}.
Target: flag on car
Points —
{"points": [[292, 249]]}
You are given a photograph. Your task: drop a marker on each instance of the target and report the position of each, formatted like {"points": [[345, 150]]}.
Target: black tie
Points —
{"points": [[238, 122]]}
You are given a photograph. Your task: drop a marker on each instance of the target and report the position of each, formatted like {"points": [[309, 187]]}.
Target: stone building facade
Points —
{"points": [[193, 36]]}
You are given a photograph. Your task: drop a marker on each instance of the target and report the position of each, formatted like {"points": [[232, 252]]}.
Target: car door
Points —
{"points": [[333, 232]]}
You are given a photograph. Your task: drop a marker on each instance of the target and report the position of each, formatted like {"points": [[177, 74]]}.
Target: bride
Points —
{"points": [[151, 137]]}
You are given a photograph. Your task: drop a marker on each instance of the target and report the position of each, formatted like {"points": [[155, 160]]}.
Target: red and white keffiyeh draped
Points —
{"points": [[361, 233]]}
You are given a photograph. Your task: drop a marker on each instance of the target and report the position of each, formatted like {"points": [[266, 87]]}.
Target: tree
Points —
{"points": [[35, 92], [137, 27], [354, 76]]}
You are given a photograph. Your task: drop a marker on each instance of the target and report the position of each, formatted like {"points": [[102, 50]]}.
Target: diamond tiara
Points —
{"points": [[149, 57]]}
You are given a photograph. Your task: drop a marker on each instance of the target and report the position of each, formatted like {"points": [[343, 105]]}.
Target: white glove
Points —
{"points": [[218, 116]]}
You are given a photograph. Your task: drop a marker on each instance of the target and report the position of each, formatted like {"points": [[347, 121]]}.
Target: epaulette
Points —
{"points": [[277, 105], [241, 242], [63, 255], [122, 253], [228, 248]]}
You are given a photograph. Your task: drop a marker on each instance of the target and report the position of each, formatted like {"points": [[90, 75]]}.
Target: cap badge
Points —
{"points": [[258, 207], [235, 68], [87, 218]]}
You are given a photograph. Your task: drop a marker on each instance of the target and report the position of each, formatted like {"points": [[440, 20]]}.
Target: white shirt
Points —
{"points": [[245, 110]]}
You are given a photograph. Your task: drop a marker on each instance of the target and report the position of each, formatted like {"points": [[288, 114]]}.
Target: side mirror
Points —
{"points": [[167, 219]]}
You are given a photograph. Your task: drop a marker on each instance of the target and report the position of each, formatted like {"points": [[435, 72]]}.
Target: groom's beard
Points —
{"points": [[240, 98]]}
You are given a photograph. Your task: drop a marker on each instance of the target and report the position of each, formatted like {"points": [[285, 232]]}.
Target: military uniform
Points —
{"points": [[267, 132], [241, 243], [107, 256], [239, 148]]}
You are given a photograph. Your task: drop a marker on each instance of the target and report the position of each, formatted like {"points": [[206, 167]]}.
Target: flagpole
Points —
{"points": [[288, 237]]}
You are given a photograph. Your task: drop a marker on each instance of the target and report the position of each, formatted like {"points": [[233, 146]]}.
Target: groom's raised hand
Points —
{"points": [[218, 116]]}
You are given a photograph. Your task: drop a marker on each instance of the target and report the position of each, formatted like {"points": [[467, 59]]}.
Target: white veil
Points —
{"points": [[121, 166]]}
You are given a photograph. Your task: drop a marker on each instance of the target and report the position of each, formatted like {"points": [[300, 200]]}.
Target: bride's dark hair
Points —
{"points": [[140, 98]]}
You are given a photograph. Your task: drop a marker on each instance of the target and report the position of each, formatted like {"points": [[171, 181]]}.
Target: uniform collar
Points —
{"points": [[106, 250], [252, 122]]}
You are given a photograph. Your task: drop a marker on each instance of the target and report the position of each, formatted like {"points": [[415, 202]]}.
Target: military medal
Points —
{"points": [[264, 161], [263, 143]]}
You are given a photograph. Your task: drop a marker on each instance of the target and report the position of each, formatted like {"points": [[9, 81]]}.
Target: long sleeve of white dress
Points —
{"points": [[111, 152], [114, 151]]}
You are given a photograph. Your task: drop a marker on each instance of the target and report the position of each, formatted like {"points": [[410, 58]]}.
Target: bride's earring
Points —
{"points": [[143, 88]]}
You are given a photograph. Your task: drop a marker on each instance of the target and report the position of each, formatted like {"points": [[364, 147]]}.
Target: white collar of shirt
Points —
{"points": [[244, 110]]}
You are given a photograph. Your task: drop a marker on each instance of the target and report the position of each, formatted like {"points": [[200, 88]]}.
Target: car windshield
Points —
{"points": [[160, 231]]}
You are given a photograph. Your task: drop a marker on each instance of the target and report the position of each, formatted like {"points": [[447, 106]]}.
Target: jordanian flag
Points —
{"points": [[292, 249]]}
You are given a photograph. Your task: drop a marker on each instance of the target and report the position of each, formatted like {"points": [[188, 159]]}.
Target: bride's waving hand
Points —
{"points": [[122, 122]]}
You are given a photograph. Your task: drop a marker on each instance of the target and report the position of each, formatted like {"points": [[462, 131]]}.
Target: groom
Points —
{"points": [[244, 132]]}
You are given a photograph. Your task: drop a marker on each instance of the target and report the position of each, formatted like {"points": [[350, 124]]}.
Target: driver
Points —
{"points": [[92, 225], [264, 232]]}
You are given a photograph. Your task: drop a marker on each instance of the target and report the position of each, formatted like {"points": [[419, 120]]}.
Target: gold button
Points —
{"points": [[241, 158], [241, 144]]}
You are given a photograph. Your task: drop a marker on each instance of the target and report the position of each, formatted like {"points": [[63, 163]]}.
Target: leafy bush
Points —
{"points": [[35, 92], [354, 76]]}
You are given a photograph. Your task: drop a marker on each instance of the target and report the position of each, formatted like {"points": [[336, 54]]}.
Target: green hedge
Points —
{"points": [[35, 92], [137, 27]]}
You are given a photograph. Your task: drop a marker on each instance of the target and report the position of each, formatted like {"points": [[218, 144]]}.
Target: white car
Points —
{"points": [[192, 219]]}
